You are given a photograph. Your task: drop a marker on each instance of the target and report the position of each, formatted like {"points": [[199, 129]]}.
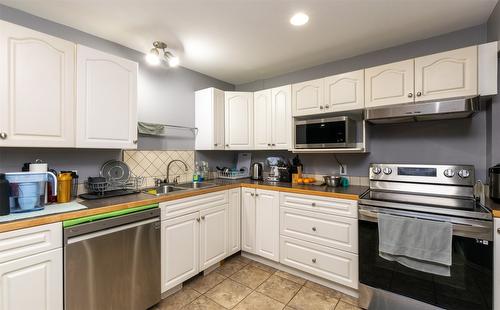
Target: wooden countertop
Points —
{"points": [[130, 201], [494, 206]]}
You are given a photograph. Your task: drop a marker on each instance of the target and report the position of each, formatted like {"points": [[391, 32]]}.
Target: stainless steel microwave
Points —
{"points": [[325, 133]]}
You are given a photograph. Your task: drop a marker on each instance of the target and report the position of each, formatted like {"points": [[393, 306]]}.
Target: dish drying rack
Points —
{"points": [[134, 183], [232, 175]]}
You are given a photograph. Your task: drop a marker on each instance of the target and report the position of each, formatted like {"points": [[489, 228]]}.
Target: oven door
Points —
{"points": [[333, 132], [383, 282]]}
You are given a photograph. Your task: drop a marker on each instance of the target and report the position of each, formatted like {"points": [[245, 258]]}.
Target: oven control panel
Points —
{"points": [[434, 174]]}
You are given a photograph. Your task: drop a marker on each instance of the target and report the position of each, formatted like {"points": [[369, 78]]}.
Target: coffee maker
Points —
{"points": [[279, 169]]}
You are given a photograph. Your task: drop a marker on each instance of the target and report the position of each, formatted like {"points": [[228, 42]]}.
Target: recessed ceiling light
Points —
{"points": [[299, 19]]}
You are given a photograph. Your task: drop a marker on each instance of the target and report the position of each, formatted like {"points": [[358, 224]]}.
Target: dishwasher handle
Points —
{"points": [[111, 230]]}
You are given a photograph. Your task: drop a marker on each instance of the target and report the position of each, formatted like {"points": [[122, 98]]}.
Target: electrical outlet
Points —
{"points": [[343, 169]]}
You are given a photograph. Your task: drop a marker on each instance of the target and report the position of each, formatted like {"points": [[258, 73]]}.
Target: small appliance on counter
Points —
{"points": [[494, 176], [256, 171], [27, 190], [4, 195], [280, 170]]}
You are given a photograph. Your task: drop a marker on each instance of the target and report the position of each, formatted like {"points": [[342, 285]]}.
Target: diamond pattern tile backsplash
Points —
{"points": [[153, 164]]}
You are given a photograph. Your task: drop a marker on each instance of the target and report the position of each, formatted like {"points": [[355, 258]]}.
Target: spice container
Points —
{"points": [[64, 187]]}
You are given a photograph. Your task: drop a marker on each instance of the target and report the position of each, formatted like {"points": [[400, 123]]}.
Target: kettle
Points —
{"points": [[256, 171], [494, 174]]}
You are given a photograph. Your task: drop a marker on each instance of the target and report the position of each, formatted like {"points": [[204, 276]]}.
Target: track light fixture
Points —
{"points": [[154, 57]]}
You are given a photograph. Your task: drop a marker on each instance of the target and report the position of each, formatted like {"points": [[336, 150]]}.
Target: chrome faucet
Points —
{"points": [[168, 170]]}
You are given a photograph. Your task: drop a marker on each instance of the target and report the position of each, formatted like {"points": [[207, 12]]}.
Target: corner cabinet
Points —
{"points": [[37, 93], [209, 119], [106, 100], [239, 120], [248, 218], [234, 221]]}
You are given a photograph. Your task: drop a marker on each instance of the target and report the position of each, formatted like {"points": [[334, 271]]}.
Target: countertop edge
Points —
{"points": [[54, 218]]}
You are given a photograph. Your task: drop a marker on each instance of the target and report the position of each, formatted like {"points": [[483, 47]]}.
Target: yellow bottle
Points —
{"points": [[64, 187]]}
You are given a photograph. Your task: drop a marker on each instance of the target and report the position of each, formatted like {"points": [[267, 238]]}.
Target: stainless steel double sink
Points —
{"points": [[165, 189]]}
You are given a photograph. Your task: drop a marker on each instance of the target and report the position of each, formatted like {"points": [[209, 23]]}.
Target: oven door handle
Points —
{"points": [[469, 230]]}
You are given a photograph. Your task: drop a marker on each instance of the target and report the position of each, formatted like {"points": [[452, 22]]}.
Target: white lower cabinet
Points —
{"points": [[248, 216], [234, 221], [31, 268], [496, 265], [194, 241], [267, 224]]}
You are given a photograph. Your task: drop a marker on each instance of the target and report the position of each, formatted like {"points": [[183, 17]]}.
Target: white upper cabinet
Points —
{"points": [[308, 97], [262, 119], [239, 120], [106, 100], [281, 117], [345, 91], [209, 119], [389, 84], [446, 75], [37, 96]]}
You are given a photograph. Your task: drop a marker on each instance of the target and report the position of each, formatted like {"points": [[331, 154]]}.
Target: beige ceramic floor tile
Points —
{"points": [[345, 306], [179, 299], [251, 276], [230, 267], [203, 303], [202, 284], [279, 288], [349, 299], [290, 277], [307, 299], [263, 267], [323, 290], [258, 301], [229, 293], [242, 259]]}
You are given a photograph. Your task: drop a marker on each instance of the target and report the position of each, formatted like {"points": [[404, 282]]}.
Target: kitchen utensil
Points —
{"points": [[27, 190], [64, 187], [494, 176], [4, 195], [256, 171], [115, 171], [332, 180]]}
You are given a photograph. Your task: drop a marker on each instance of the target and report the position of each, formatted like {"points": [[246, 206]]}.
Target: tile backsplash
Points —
{"points": [[153, 164]]}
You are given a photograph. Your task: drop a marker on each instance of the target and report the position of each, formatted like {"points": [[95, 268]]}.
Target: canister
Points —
{"points": [[64, 187]]}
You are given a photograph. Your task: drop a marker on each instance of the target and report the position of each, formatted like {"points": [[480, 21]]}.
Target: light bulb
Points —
{"points": [[173, 61], [153, 58], [299, 19]]}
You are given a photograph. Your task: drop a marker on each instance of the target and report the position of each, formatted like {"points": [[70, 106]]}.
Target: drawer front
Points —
{"points": [[188, 205], [344, 207], [329, 230], [23, 242], [328, 263]]}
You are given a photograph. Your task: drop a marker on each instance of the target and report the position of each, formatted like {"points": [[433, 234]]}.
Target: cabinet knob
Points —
{"points": [[134, 142], [498, 230], [274, 144], [215, 144], [314, 260], [252, 194], [419, 94], [198, 219], [203, 217], [314, 228], [269, 144], [3, 135], [227, 145], [321, 107], [410, 95], [256, 195], [313, 204], [327, 106]]}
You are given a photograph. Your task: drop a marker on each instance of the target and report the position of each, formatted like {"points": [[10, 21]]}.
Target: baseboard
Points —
{"points": [[171, 291], [338, 287]]}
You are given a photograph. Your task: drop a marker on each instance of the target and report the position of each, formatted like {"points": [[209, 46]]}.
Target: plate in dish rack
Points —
{"points": [[115, 171]]}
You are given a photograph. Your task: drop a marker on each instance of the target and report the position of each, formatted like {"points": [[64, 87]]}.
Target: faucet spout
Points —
{"points": [[168, 169]]}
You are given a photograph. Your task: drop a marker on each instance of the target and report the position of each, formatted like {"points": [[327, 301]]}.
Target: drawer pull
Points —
{"points": [[198, 219], [314, 228], [498, 230], [314, 260], [313, 204]]}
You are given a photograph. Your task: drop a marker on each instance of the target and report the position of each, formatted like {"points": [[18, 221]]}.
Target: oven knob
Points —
{"points": [[449, 173], [387, 170], [464, 174], [376, 170]]}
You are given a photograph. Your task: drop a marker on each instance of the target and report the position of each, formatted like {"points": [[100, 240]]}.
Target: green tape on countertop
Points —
{"points": [[91, 218]]}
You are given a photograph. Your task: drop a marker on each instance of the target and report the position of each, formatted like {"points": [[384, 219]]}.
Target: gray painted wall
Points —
{"points": [[166, 95], [494, 112], [441, 142]]}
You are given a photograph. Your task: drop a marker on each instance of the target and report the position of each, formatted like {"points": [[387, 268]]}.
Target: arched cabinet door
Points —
{"points": [[344, 92], [37, 97], [106, 100], [307, 97], [239, 120], [389, 84], [446, 75]]}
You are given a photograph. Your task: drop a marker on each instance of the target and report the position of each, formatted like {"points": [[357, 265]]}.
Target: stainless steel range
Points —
{"points": [[431, 192]]}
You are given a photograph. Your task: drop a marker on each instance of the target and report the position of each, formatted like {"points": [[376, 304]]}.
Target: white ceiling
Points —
{"points": [[240, 41]]}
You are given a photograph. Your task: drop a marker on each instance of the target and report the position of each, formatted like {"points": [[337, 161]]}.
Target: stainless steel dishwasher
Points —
{"points": [[112, 261]]}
